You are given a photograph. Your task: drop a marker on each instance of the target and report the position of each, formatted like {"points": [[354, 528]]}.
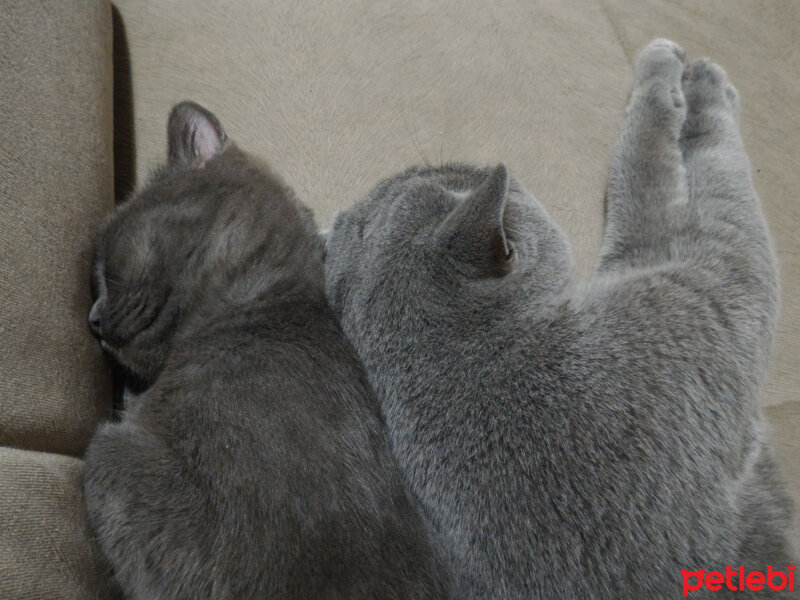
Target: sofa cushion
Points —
{"points": [[45, 549], [56, 184], [785, 422]]}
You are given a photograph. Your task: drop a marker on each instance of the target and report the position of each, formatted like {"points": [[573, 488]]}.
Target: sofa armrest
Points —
{"points": [[56, 185]]}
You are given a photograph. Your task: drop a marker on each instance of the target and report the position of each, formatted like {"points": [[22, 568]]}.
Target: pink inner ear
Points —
{"points": [[205, 139], [194, 135]]}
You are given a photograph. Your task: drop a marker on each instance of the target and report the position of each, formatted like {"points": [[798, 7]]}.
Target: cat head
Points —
{"points": [[447, 238], [210, 229]]}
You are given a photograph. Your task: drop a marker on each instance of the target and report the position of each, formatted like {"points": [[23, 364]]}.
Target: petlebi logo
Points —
{"points": [[738, 580]]}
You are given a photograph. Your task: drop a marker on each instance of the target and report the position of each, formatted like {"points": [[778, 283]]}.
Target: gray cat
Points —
{"points": [[255, 462], [580, 439]]}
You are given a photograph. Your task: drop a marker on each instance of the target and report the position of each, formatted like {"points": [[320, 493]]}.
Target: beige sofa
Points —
{"points": [[335, 95]]}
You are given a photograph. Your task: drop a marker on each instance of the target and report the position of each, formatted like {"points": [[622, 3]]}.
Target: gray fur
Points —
{"points": [[580, 439], [255, 463]]}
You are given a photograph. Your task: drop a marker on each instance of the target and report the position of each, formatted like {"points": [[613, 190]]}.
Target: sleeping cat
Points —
{"points": [[255, 462], [580, 439]]}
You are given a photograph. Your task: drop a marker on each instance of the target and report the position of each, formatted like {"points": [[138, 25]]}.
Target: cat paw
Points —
{"points": [[706, 86], [657, 89], [661, 60]]}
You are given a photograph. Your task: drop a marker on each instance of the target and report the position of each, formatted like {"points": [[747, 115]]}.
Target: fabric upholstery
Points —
{"points": [[785, 421], [44, 545], [56, 184], [337, 95]]}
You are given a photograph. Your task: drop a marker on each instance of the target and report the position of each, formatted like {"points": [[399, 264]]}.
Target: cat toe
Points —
{"points": [[706, 85], [662, 59]]}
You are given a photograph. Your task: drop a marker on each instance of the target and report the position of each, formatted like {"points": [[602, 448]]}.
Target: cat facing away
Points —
{"points": [[580, 439], [255, 462]]}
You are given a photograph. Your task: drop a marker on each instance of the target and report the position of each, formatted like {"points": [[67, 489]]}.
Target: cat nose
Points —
{"points": [[94, 320]]}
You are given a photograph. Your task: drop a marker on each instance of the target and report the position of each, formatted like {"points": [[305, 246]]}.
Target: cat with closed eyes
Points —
{"points": [[253, 462], [580, 439]]}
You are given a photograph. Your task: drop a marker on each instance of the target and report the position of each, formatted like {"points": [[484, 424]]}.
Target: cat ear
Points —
{"points": [[194, 135], [473, 234]]}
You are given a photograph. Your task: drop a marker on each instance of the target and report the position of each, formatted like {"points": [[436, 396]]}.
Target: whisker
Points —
{"points": [[415, 140]]}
